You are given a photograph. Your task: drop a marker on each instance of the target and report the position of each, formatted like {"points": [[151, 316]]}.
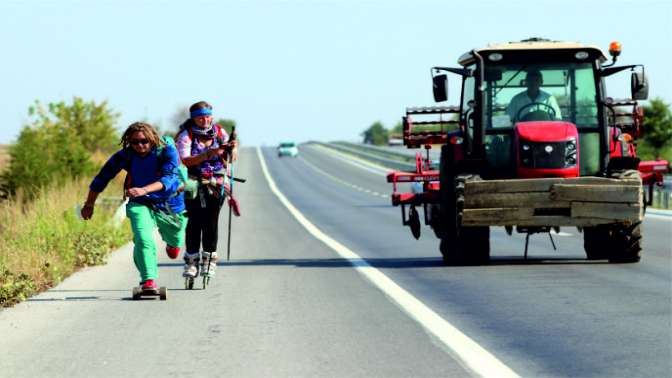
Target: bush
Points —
{"points": [[57, 145]]}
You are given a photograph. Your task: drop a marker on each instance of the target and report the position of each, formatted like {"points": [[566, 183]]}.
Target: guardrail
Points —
{"points": [[360, 152]]}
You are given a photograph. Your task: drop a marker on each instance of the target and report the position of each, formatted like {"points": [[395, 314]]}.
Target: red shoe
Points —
{"points": [[150, 286], [172, 252]]}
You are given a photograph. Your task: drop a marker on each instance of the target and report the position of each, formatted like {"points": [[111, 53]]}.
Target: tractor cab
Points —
{"points": [[537, 108]]}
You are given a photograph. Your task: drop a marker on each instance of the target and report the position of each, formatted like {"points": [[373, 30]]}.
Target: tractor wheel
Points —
{"points": [[596, 242], [625, 241], [460, 245]]}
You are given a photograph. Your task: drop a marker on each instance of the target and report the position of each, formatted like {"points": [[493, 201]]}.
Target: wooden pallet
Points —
{"points": [[581, 201]]}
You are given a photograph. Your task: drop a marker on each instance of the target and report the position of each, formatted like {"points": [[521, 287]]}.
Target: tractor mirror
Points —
{"points": [[440, 87], [639, 86]]}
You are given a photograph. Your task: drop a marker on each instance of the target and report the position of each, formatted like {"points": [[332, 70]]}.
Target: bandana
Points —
{"points": [[201, 112], [207, 132]]}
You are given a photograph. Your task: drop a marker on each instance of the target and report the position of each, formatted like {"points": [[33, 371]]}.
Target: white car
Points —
{"points": [[288, 149]]}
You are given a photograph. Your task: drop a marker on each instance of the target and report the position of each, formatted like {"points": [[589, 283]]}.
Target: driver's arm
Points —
{"points": [[553, 103], [512, 108]]}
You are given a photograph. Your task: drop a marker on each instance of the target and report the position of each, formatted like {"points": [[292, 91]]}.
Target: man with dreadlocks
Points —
{"points": [[155, 199]]}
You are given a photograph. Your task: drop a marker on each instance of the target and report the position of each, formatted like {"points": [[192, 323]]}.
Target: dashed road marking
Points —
{"points": [[341, 181]]}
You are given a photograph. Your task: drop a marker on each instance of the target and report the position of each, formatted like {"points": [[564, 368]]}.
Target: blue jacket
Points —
{"points": [[159, 165]]}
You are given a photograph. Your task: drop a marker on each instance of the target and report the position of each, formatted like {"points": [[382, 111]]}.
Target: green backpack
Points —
{"points": [[189, 186]]}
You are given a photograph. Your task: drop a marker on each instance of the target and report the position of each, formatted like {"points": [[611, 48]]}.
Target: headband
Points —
{"points": [[201, 112]]}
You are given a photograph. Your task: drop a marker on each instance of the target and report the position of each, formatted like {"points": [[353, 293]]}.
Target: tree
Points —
{"points": [[56, 145], [657, 128], [91, 123], [376, 134]]}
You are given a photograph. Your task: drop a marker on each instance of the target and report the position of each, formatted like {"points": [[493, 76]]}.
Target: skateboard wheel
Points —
{"points": [[163, 293], [137, 293]]}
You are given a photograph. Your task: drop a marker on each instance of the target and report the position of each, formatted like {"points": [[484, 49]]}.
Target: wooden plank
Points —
{"points": [[596, 193], [498, 216], [539, 185], [512, 200], [523, 217], [611, 211]]}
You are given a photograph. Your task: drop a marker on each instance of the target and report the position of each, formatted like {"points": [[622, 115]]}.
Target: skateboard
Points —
{"points": [[138, 293]]}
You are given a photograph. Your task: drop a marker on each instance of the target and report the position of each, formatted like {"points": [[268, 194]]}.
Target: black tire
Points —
{"points": [[459, 245], [626, 240], [619, 243], [596, 242]]}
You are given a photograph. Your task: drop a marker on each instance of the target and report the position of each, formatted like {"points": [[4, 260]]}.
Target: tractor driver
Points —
{"points": [[533, 104]]}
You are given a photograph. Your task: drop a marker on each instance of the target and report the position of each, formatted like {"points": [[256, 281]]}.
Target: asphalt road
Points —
{"points": [[287, 304]]}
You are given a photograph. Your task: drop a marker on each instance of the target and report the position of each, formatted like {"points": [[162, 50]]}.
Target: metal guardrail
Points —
{"points": [[388, 163], [662, 198]]}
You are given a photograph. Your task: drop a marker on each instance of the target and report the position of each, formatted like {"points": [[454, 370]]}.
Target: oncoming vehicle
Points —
{"points": [[288, 149], [534, 144]]}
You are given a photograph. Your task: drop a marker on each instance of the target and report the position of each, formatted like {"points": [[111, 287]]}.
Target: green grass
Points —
{"points": [[43, 242]]}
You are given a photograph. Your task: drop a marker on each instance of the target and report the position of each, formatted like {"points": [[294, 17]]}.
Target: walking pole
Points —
{"points": [[228, 235]]}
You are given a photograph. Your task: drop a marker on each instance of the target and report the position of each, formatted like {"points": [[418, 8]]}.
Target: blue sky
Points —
{"points": [[289, 70]]}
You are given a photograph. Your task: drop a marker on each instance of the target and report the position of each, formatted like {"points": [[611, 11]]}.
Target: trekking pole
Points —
{"points": [[230, 159], [228, 235]]}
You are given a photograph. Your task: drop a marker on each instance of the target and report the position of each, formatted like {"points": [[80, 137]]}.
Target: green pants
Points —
{"points": [[143, 221]]}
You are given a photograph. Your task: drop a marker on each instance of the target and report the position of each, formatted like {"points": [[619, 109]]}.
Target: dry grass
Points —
{"points": [[43, 242]]}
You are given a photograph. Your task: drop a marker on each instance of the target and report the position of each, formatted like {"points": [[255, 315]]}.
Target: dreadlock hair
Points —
{"points": [[145, 128]]}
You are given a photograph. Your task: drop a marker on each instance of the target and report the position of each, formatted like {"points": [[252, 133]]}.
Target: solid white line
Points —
{"points": [[472, 356]]}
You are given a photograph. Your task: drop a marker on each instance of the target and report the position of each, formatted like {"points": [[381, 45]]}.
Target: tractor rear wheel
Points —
{"points": [[460, 245]]}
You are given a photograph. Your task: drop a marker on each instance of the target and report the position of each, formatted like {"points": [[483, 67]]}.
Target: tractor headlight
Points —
{"points": [[570, 153]]}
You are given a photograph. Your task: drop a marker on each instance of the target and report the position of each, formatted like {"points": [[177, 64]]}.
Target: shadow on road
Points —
{"points": [[394, 263]]}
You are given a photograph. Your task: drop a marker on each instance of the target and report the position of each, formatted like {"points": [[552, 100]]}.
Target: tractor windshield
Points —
{"points": [[520, 92]]}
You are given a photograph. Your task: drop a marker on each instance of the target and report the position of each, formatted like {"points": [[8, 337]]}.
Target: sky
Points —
{"points": [[290, 70]]}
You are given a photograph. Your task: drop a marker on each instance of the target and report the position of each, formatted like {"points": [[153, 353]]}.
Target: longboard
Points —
{"points": [[138, 293]]}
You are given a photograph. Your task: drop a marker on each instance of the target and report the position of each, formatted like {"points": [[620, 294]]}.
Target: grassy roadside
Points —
{"points": [[45, 241]]}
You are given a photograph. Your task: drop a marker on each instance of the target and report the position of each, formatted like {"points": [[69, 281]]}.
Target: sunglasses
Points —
{"points": [[135, 142]]}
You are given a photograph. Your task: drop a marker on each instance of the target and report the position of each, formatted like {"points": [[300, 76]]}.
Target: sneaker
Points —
{"points": [[190, 264], [209, 271], [149, 286], [172, 252]]}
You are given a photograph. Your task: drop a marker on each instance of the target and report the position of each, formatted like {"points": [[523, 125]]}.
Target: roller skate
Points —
{"points": [[208, 266], [191, 268]]}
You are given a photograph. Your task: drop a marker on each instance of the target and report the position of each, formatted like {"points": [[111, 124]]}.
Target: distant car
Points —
{"points": [[288, 149]]}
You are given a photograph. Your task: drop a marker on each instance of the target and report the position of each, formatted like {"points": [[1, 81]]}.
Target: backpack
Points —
{"points": [[188, 186]]}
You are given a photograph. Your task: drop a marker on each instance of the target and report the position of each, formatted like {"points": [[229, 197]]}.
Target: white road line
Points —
{"points": [[473, 357], [353, 160], [311, 165]]}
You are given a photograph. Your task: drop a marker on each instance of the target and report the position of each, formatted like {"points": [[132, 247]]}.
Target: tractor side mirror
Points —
{"points": [[639, 86], [440, 87]]}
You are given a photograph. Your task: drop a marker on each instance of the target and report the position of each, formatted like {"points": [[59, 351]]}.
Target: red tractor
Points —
{"points": [[535, 144]]}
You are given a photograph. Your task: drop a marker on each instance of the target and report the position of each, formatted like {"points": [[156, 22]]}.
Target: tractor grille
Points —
{"points": [[542, 155]]}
